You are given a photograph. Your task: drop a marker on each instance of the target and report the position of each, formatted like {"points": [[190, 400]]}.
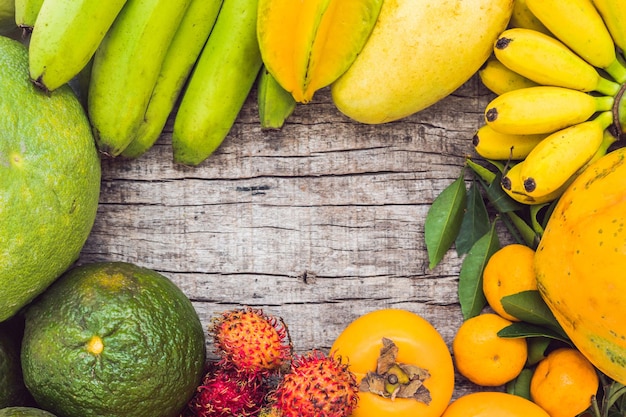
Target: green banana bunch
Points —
{"points": [[579, 25], [542, 109], [182, 54], [126, 67], [499, 79], [613, 13], [546, 60], [219, 84], [491, 144], [275, 103], [26, 12], [66, 36], [549, 167]]}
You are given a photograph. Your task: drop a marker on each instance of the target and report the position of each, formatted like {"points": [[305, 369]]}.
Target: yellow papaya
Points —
{"points": [[581, 261]]}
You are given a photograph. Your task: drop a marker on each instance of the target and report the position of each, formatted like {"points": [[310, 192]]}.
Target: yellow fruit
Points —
{"points": [[563, 383], [580, 263], [112, 339], [50, 185], [493, 404], [510, 270], [485, 358], [418, 53]]}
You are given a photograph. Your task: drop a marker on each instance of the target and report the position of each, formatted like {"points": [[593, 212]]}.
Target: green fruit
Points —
{"points": [[112, 339], [24, 412], [50, 186], [13, 392]]}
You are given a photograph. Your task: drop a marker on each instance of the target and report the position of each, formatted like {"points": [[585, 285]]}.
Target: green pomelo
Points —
{"points": [[50, 186], [113, 339], [24, 412]]}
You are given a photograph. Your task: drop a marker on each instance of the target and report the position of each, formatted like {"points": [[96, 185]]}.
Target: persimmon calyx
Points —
{"points": [[396, 380]]}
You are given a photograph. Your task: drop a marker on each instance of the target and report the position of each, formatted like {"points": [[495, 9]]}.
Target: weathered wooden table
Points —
{"points": [[319, 222]]}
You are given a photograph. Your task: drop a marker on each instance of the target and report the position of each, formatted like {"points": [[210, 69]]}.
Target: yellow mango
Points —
{"points": [[419, 52], [581, 263], [308, 44]]}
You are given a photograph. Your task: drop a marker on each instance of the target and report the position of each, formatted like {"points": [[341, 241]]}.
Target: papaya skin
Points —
{"points": [[580, 263], [419, 52]]}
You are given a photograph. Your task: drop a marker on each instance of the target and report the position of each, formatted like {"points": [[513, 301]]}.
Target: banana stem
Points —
{"points": [[619, 113], [617, 71]]}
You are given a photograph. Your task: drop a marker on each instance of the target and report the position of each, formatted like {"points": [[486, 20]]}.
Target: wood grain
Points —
{"points": [[319, 222]]}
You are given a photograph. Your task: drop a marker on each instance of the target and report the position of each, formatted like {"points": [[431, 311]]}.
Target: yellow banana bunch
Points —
{"points": [[546, 60], [182, 54], [522, 17], [579, 25], [66, 36], [219, 84], [500, 79], [542, 109], [125, 69], [26, 12], [613, 13], [491, 144]]}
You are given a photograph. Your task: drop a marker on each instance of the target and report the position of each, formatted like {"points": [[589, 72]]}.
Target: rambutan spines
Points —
{"points": [[316, 386], [252, 341], [226, 392]]}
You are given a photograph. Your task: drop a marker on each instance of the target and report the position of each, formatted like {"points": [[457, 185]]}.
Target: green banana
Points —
{"points": [[275, 103], [579, 25], [613, 13], [491, 144], [66, 36], [499, 79], [219, 84], [26, 12], [547, 61], [126, 67], [559, 156], [542, 109], [182, 54]]}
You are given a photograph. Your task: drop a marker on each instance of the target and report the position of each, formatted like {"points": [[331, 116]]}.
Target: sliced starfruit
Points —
{"points": [[306, 45]]}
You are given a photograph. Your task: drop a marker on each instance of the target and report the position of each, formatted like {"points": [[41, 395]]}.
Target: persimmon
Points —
{"points": [[401, 362]]}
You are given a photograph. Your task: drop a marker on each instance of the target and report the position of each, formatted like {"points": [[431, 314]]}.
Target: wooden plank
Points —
{"points": [[319, 222]]}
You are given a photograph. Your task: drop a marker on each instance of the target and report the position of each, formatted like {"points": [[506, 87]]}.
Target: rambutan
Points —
{"points": [[252, 341], [316, 386], [226, 392]]}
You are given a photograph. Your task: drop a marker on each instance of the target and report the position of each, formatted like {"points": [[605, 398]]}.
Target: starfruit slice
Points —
{"points": [[307, 44]]}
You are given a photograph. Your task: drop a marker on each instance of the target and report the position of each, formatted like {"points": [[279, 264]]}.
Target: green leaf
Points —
{"points": [[470, 288], [475, 221], [487, 175], [443, 220], [520, 386], [526, 232], [520, 329], [528, 306], [537, 347], [502, 202]]}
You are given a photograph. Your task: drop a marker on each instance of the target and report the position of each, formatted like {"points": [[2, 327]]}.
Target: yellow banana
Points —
{"points": [[613, 13], [26, 12], [125, 69], [522, 17], [499, 79], [542, 109], [275, 103], [547, 61], [513, 184], [182, 54], [578, 24], [219, 85], [491, 144], [559, 156], [65, 38]]}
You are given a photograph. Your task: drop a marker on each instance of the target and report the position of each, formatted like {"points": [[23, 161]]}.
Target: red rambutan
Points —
{"points": [[317, 386], [225, 392], [252, 341]]}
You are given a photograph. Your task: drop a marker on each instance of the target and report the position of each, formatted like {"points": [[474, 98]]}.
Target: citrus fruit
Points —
{"points": [[112, 339], [564, 382], [509, 270], [482, 356], [13, 392], [493, 404], [24, 412], [50, 186]]}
